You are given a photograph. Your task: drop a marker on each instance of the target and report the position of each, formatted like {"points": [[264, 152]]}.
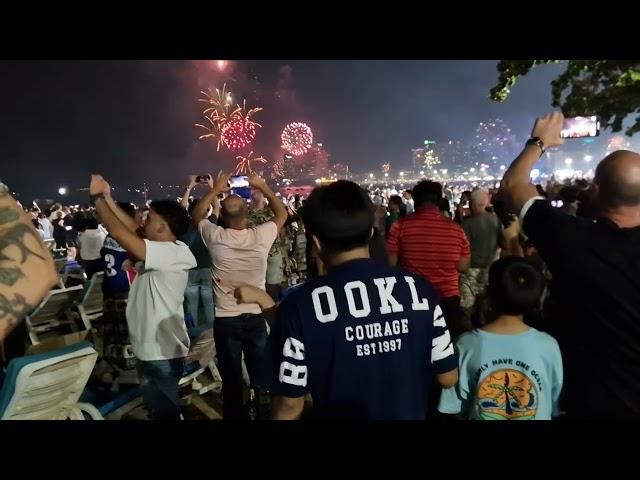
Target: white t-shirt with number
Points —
{"points": [[155, 315]]}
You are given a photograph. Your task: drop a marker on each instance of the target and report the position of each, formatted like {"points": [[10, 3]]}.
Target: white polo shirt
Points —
{"points": [[155, 315]]}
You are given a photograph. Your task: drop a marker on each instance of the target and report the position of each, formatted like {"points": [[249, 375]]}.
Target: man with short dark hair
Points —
{"points": [[428, 244], [238, 257], [155, 314], [365, 340], [595, 293]]}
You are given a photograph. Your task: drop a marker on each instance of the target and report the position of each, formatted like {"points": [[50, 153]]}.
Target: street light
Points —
{"points": [[62, 191], [371, 175], [386, 174], [402, 174], [502, 167]]}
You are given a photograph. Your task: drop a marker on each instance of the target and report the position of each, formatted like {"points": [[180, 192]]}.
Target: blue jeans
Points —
{"points": [[234, 335], [159, 384], [200, 287]]}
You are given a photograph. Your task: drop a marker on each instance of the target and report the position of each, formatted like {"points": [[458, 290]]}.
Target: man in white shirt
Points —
{"points": [[155, 315], [46, 224], [238, 257], [407, 196], [91, 242]]}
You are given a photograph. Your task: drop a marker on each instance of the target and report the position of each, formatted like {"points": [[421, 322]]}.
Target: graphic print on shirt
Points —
{"points": [[507, 394]]}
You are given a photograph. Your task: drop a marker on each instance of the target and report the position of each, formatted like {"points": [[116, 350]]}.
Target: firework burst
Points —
{"points": [[244, 165], [233, 128], [297, 138]]}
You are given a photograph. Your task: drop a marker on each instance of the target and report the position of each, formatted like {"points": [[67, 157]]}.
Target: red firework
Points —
{"points": [[297, 138], [238, 133]]}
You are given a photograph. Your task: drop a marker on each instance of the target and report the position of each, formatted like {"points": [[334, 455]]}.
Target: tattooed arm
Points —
{"points": [[27, 270]]}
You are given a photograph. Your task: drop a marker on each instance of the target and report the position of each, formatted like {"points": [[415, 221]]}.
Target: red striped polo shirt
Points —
{"points": [[430, 245]]}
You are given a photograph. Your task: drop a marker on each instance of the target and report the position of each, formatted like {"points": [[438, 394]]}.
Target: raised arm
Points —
{"points": [[100, 192], [184, 201], [221, 185], [27, 270], [515, 184], [124, 218], [280, 214]]}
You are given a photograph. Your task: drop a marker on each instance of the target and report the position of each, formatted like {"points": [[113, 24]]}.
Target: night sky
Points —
{"points": [[134, 120]]}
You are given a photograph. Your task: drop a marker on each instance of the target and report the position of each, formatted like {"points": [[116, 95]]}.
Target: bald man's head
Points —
{"points": [[618, 180], [234, 208]]}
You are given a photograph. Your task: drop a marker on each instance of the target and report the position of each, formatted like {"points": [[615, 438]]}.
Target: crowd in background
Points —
{"points": [[524, 294]]}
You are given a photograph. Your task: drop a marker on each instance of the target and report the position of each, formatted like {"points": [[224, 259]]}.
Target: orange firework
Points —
{"points": [[223, 122], [244, 167]]}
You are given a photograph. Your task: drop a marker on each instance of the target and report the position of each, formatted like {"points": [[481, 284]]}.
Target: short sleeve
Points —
{"points": [[168, 256], [289, 362], [456, 399], [393, 239], [207, 231], [556, 378], [443, 356], [450, 402], [267, 234]]}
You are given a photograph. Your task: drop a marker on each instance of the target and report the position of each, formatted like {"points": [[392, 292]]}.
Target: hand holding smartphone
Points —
{"points": [[580, 127], [239, 185]]}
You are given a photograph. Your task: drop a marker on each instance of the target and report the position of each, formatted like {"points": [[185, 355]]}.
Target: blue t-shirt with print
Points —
{"points": [[506, 377], [116, 281], [365, 340]]}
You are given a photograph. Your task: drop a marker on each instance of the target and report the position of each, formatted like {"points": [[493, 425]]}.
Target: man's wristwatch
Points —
{"points": [[536, 141], [95, 197]]}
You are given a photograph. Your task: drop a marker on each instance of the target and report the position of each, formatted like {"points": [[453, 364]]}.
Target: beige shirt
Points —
{"points": [[238, 257]]}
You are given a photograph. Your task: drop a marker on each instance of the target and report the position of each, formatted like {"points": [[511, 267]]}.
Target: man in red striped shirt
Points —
{"points": [[433, 246]]}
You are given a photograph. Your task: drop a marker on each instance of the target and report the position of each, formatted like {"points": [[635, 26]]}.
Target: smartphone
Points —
{"points": [[202, 178], [238, 181], [244, 192], [580, 127]]}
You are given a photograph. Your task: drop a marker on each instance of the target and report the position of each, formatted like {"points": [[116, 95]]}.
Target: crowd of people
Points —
{"points": [[517, 302]]}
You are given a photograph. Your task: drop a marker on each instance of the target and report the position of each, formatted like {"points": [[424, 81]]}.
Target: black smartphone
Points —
{"points": [[580, 127], [202, 178]]}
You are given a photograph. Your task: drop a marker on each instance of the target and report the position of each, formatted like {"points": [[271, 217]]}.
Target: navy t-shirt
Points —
{"points": [[366, 341]]}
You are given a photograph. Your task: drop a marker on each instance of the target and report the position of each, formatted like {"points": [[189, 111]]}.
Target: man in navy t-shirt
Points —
{"points": [[365, 340]]}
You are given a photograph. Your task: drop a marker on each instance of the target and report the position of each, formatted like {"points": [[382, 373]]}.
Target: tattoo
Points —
{"points": [[12, 311], [15, 236], [8, 215], [9, 276]]}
